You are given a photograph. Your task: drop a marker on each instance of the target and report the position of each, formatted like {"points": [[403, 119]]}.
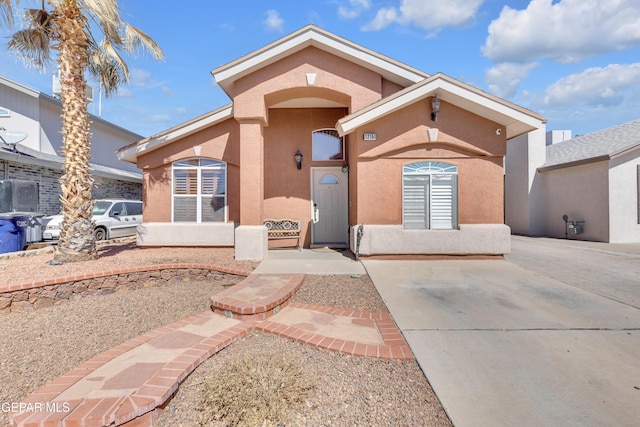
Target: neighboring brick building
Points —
{"points": [[38, 158]]}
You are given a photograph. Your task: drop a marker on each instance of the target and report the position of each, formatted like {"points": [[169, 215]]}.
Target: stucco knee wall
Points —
{"points": [[470, 239], [176, 234]]}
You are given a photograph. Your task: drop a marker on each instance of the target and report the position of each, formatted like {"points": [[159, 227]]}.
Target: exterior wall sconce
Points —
{"points": [[345, 169], [435, 108], [298, 158]]}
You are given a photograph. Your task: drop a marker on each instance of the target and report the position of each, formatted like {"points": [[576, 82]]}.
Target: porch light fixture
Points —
{"points": [[435, 108], [298, 158]]}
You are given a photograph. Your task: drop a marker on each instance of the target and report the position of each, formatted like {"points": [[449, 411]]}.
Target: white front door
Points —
{"points": [[329, 206]]}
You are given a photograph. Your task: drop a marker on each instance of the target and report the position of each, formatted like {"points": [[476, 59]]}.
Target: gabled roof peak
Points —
{"points": [[515, 119], [311, 35]]}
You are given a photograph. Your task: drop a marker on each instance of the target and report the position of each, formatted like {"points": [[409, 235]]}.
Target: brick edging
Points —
{"points": [[43, 293], [95, 275], [394, 347], [152, 394]]}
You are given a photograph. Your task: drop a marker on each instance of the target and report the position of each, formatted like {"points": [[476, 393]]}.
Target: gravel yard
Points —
{"points": [[39, 346]]}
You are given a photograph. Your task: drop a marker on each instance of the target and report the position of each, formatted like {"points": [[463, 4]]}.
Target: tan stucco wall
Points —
{"points": [[219, 142], [582, 193], [464, 139], [287, 190], [264, 140], [359, 85]]}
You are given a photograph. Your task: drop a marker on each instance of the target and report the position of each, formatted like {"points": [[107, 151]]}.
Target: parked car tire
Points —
{"points": [[100, 234]]}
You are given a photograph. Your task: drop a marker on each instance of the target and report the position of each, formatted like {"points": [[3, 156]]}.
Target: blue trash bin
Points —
{"points": [[13, 232]]}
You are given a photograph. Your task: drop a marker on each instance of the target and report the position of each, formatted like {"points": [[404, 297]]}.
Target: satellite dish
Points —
{"points": [[12, 138]]}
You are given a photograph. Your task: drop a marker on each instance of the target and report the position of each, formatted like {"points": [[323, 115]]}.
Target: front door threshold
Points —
{"points": [[329, 245]]}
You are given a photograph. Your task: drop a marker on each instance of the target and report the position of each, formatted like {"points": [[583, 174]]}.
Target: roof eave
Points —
{"points": [[625, 150], [563, 165], [57, 163], [517, 120], [131, 152]]}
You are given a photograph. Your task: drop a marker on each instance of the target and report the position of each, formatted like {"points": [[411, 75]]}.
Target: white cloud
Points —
{"points": [[124, 92], [139, 78], [434, 14], [565, 31], [595, 86], [383, 18], [356, 7], [504, 79], [427, 14], [273, 21], [167, 90]]}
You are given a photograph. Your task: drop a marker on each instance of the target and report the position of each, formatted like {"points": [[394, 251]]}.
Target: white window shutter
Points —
{"points": [[442, 202], [415, 198]]}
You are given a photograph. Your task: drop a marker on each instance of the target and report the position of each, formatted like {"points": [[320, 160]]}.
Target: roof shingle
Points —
{"points": [[604, 143]]}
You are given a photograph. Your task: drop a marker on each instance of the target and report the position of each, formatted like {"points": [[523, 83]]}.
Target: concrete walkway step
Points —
{"points": [[126, 385], [257, 297]]}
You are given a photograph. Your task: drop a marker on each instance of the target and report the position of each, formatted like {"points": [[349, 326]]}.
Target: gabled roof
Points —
{"points": [[130, 152], [311, 35], [601, 145], [515, 119]]}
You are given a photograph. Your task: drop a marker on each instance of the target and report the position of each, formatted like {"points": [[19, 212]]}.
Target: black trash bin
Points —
{"points": [[13, 232]]}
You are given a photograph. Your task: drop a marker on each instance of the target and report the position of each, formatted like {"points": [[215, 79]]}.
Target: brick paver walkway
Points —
{"points": [[124, 386]]}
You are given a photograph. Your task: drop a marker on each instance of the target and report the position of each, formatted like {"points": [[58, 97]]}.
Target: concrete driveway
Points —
{"points": [[504, 345]]}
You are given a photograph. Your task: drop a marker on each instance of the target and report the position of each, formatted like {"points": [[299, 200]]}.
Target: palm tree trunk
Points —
{"points": [[77, 242]]}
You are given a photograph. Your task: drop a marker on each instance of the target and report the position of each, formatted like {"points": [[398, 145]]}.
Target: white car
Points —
{"points": [[113, 218]]}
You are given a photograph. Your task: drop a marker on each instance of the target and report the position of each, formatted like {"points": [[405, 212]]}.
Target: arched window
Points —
{"points": [[327, 145], [430, 196], [199, 190], [329, 180]]}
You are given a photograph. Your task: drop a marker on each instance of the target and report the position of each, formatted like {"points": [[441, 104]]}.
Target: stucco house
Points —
{"points": [[593, 179], [413, 161], [38, 159]]}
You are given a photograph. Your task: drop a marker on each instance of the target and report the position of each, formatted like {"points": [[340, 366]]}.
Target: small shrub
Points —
{"points": [[255, 391]]}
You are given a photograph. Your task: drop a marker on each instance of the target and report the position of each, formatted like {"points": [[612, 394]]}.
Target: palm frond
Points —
{"points": [[107, 67], [107, 15], [36, 18], [106, 11], [33, 46], [6, 13], [135, 39]]}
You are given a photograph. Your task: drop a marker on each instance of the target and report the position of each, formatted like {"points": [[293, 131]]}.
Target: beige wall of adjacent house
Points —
{"points": [[524, 193], [582, 193], [624, 190]]}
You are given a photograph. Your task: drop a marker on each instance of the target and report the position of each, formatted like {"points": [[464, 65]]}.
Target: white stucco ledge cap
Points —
{"points": [[517, 120], [131, 152], [469, 239]]}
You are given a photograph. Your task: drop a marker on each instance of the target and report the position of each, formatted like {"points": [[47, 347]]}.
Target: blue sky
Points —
{"points": [[576, 62]]}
